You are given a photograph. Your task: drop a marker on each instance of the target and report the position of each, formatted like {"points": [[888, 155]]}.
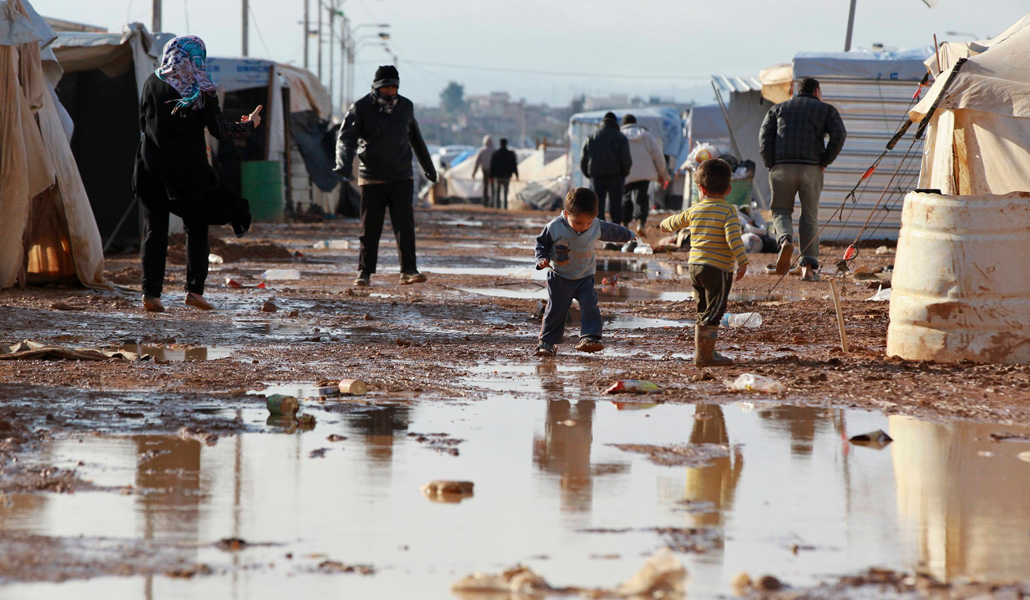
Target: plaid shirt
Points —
{"points": [[793, 132]]}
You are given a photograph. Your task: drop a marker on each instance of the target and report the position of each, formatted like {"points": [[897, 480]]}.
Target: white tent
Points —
{"points": [[978, 140], [462, 187], [48, 229]]}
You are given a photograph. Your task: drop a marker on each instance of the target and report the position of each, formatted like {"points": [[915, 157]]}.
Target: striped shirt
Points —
{"points": [[714, 234]]}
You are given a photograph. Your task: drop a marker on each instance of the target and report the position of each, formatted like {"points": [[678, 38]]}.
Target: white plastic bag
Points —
{"points": [[882, 295], [752, 382]]}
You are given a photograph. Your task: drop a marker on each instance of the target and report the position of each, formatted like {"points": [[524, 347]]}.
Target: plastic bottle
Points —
{"points": [[281, 274], [643, 249], [632, 386], [752, 382], [750, 320]]}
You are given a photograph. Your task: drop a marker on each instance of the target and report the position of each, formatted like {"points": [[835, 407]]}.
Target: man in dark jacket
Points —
{"points": [[382, 131], [503, 164], [791, 144], [606, 161]]}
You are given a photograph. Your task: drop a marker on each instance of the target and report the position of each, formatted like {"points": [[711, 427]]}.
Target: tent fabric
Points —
{"points": [[978, 140], [306, 92], [112, 53], [461, 184], [309, 131], [950, 52], [863, 64], [234, 74], [777, 81], [548, 186], [40, 179]]}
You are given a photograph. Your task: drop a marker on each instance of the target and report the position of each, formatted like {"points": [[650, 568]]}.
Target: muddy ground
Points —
{"points": [[417, 345]]}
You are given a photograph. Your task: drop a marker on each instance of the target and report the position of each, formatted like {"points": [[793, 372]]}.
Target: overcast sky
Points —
{"points": [[549, 50]]}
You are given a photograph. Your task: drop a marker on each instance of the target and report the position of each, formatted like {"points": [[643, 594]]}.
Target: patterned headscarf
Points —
{"points": [[182, 67]]}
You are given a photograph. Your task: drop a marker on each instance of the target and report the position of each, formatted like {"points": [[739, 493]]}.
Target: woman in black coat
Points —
{"points": [[173, 174]]}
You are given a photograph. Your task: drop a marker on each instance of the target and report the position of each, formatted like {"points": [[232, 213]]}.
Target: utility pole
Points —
{"points": [[332, 30], [343, 67], [246, 7], [307, 30], [851, 26], [318, 3], [155, 23]]}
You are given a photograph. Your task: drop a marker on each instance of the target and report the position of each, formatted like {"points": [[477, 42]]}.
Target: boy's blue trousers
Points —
{"points": [[560, 293]]}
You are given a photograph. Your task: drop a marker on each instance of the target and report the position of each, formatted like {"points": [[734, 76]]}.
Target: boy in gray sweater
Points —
{"points": [[566, 245]]}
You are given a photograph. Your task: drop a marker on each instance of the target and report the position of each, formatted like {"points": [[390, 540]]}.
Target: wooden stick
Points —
{"points": [[840, 315]]}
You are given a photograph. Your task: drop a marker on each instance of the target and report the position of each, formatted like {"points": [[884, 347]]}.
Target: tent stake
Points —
{"points": [[840, 315]]}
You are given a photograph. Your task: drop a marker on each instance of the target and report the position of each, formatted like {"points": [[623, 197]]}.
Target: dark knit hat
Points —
{"points": [[386, 76]]}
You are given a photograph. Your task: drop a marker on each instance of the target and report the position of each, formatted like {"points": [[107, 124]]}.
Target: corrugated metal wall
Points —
{"points": [[872, 111]]}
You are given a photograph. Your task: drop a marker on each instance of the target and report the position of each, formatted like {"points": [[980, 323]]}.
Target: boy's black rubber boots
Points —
{"points": [[704, 347]]}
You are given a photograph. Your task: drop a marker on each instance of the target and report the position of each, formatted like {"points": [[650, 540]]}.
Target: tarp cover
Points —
{"points": [[863, 64], [235, 74], [48, 227], [112, 53]]}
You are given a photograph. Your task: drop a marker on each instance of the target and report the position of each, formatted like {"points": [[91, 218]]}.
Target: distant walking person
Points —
{"points": [[606, 161], [482, 163], [503, 165], [648, 165], [172, 173], [792, 145], [381, 129]]}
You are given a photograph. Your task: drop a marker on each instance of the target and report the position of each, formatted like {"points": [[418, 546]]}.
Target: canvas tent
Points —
{"points": [[102, 80], [978, 140], [48, 230], [665, 123]]}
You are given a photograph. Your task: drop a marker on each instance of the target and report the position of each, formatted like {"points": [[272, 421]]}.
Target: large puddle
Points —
{"points": [[789, 497]]}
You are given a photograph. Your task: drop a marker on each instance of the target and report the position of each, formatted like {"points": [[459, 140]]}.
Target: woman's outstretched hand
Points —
{"points": [[254, 117]]}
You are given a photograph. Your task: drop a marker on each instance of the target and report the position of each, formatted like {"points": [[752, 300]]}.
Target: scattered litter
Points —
{"points": [[664, 576], [1024, 456], [632, 386], [281, 404], [269, 306], [281, 274], [236, 285], [352, 387], [332, 566], [752, 382], [215, 259], [447, 491], [643, 249], [29, 350], [333, 244], [883, 250], [750, 320], [231, 544], [876, 438], [204, 437], [882, 295]]}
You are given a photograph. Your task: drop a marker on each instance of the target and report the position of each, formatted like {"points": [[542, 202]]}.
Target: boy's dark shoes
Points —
{"points": [[412, 277], [629, 246], [612, 246], [589, 343], [241, 225], [363, 280], [545, 349], [783, 260]]}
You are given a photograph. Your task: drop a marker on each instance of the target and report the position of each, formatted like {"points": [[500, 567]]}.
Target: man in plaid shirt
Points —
{"points": [[792, 145]]}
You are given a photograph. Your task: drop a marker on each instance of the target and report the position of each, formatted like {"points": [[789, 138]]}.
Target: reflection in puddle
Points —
{"points": [[181, 353], [631, 322], [941, 496], [273, 327]]}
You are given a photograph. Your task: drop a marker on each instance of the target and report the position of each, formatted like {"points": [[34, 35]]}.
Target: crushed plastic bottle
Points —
{"points": [[633, 386], [750, 320], [281, 274], [643, 249], [752, 382], [333, 244]]}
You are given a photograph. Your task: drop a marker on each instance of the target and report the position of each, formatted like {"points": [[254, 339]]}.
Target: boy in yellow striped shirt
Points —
{"points": [[715, 253]]}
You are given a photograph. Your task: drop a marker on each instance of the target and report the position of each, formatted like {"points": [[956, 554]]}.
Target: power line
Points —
{"points": [[253, 17], [560, 73]]}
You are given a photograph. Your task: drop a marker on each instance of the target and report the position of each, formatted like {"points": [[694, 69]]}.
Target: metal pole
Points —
{"points": [[155, 23], [851, 26], [246, 7], [319, 53], [332, 24], [307, 28], [343, 67]]}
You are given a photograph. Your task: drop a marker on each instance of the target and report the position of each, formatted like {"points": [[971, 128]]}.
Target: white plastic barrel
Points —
{"points": [[962, 279]]}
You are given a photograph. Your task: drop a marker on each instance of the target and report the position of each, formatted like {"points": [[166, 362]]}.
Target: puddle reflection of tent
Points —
{"points": [[49, 233]]}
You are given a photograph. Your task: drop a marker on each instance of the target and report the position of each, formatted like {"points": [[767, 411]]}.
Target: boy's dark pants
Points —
{"points": [[712, 288], [560, 293], [609, 194], [375, 198]]}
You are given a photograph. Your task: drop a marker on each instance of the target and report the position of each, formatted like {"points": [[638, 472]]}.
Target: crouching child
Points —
{"points": [[566, 245], [716, 251]]}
